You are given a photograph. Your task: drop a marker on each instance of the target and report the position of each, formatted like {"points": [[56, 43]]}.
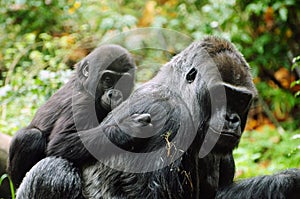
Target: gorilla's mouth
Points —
{"points": [[105, 105], [229, 134]]}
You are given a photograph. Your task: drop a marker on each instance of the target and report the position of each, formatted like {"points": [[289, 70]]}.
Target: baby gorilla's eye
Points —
{"points": [[109, 81]]}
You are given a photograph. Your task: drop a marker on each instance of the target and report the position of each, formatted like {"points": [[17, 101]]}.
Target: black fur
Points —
{"points": [[173, 137], [68, 186], [76, 106], [285, 184]]}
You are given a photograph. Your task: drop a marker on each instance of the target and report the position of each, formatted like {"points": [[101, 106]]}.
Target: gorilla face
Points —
{"points": [[110, 93], [109, 77], [225, 92], [228, 120]]}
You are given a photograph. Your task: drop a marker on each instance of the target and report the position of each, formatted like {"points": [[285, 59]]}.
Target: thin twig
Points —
{"points": [[16, 61], [271, 116]]}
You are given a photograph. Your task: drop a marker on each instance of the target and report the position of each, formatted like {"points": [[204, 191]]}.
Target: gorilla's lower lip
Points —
{"points": [[106, 106], [225, 133], [231, 134]]}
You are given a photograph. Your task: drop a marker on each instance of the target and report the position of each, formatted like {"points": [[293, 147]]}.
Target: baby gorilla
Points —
{"points": [[103, 79]]}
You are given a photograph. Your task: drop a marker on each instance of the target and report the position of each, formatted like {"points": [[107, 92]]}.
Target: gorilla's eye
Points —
{"points": [[191, 76], [108, 81]]}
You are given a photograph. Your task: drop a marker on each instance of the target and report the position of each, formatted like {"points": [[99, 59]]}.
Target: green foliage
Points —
{"points": [[266, 152], [29, 67], [27, 95], [12, 189], [296, 62], [281, 102]]}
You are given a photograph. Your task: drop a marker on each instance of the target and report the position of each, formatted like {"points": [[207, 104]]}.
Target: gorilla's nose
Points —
{"points": [[145, 119]]}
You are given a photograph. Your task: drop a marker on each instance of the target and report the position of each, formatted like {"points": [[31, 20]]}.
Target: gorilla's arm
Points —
{"points": [[285, 184], [74, 146], [68, 145], [28, 148], [29, 144]]}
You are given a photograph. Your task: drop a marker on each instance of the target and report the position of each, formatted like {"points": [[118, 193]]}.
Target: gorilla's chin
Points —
{"points": [[105, 105]]}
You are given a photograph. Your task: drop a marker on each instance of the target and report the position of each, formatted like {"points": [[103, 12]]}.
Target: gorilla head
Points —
{"points": [[214, 81], [228, 81], [108, 75]]}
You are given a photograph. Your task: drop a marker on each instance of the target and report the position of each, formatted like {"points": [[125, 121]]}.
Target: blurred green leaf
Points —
{"points": [[283, 12]]}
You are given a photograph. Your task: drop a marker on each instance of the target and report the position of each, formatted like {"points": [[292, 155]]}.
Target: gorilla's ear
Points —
{"points": [[83, 68], [191, 75]]}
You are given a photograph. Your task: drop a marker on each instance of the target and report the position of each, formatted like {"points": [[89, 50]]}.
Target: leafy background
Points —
{"points": [[41, 40]]}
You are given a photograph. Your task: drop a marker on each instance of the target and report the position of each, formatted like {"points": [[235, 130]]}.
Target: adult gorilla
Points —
{"points": [[174, 136], [102, 80]]}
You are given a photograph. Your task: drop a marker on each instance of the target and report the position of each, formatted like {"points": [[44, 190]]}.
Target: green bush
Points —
{"points": [[266, 152]]}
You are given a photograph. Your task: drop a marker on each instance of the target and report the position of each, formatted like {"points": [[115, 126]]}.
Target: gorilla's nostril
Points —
{"points": [[233, 120], [147, 119], [110, 94]]}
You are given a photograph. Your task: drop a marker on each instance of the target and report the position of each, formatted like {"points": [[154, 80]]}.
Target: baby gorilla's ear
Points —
{"points": [[144, 119], [85, 69], [82, 69]]}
